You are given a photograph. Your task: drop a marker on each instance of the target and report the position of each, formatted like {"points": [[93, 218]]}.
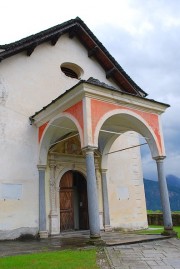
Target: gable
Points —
{"points": [[36, 80], [76, 28]]}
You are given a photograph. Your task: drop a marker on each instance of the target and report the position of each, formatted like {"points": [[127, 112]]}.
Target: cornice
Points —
{"points": [[123, 99], [83, 89]]}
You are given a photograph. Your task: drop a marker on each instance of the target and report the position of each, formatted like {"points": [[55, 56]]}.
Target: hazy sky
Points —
{"points": [[142, 35]]}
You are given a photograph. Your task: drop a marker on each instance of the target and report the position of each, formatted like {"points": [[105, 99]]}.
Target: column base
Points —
{"points": [[107, 228], [43, 234], [96, 241], [169, 232], [54, 224], [95, 236]]}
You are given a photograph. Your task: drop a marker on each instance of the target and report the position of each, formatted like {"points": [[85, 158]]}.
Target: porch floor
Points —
{"points": [[71, 240]]}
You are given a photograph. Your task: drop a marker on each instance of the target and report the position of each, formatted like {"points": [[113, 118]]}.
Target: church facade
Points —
{"points": [[70, 119]]}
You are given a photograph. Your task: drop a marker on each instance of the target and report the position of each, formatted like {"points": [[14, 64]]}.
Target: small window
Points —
{"points": [[71, 70]]}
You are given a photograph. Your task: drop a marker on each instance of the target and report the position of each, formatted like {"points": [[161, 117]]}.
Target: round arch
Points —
{"points": [[129, 121], [66, 169], [58, 127]]}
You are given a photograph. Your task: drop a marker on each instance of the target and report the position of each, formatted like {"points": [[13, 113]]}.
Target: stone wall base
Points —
{"points": [[131, 226], [17, 233]]}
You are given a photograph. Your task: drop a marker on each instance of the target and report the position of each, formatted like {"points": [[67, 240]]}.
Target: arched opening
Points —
{"points": [[59, 129], [118, 141], [73, 202], [119, 121]]}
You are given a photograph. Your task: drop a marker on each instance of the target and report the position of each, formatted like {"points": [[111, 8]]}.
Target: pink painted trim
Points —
{"points": [[100, 108], [77, 112], [41, 131]]}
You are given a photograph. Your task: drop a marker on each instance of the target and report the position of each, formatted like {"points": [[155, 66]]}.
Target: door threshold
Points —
{"points": [[72, 233], [75, 232]]}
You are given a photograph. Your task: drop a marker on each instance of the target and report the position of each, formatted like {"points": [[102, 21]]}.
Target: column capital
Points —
{"points": [[41, 167], [159, 158], [89, 149], [104, 170]]}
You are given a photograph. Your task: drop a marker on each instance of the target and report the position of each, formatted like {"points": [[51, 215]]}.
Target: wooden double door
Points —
{"points": [[73, 202]]}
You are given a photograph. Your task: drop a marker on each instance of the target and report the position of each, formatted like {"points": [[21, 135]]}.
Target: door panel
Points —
{"points": [[66, 202], [83, 203], [66, 212], [83, 211], [69, 182]]}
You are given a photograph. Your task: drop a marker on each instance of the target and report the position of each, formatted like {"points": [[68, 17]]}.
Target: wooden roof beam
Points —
{"points": [[110, 72], [92, 51], [72, 32], [54, 39], [31, 49]]}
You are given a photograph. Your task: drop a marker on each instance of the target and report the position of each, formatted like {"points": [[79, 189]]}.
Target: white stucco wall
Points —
{"points": [[18, 164], [26, 85], [125, 184]]}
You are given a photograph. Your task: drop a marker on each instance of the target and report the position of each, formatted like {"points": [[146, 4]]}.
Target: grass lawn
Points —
{"points": [[70, 259], [159, 230]]}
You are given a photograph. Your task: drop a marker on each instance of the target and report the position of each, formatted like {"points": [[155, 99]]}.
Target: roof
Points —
{"points": [[76, 27], [91, 81]]}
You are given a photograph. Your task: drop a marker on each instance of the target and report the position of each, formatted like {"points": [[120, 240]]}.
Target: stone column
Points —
{"points": [[54, 227], [167, 219], [99, 193], [107, 226], [42, 203], [93, 208]]}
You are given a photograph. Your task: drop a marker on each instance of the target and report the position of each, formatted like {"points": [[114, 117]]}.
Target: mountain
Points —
{"points": [[173, 181], [153, 196]]}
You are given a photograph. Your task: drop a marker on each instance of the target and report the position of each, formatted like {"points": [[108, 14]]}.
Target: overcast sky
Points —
{"points": [[142, 35]]}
